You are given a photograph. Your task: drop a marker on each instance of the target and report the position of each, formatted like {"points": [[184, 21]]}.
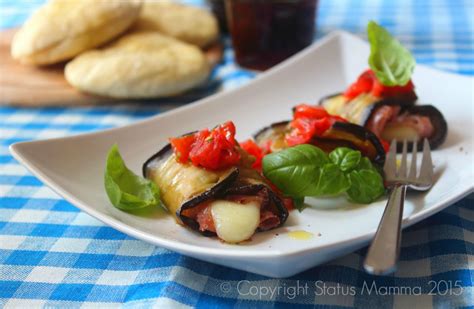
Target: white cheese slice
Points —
{"points": [[399, 132], [235, 222]]}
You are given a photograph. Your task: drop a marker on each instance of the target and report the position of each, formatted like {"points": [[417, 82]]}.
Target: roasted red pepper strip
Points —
{"points": [[182, 147], [367, 82], [253, 149], [385, 145], [309, 121], [214, 149]]}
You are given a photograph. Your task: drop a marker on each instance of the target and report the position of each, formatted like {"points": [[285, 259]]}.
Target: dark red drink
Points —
{"points": [[266, 32], [218, 8]]}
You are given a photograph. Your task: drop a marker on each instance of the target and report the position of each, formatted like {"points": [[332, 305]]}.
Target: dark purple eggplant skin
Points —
{"points": [[273, 125], [219, 190], [407, 104], [165, 151], [213, 192], [364, 135], [438, 122], [404, 102], [225, 188], [273, 198], [360, 132]]}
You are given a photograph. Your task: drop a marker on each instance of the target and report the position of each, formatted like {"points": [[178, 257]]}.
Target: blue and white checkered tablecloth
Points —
{"points": [[52, 254]]}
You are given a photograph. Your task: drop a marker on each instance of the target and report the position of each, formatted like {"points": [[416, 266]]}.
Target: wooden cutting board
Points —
{"points": [[30, 86]]}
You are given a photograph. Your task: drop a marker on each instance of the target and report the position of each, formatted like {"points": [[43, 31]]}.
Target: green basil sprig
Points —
{"points": [[125, 189], [366, 183], [306, 170], [346, 158], [392, 63]]}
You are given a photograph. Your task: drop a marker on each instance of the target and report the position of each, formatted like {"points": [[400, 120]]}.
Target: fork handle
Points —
{"points": [[383, 252]]}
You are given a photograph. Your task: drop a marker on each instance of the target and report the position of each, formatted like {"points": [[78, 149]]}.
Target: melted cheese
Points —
{"points": [[398, 132], [235, 222]]}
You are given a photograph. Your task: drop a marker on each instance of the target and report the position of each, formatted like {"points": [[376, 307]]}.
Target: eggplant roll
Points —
{"points": [[391, 118], [341, 134], [232, 203]]}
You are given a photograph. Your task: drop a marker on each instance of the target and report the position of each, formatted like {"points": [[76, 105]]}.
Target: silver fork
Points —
{"points": [[383, 252]]}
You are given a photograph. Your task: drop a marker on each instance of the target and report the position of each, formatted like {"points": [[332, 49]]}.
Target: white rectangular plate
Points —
{"points": [[73, 166]]}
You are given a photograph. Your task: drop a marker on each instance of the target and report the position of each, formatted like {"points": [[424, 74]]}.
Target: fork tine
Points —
{"points": [[412, 175], [402, 171], [426, 170], [390, 166]]}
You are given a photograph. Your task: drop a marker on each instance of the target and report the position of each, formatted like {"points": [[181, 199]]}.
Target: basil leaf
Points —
{"points": [[392, 63], [346, 158], [298, 202], [126, 190], [365, 164], [295, 170], [366, 186], [305, 170], [332, 181]]}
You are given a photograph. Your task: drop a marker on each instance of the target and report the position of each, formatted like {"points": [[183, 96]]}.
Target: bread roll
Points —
{"points": [[139, 65], [62, 29]]}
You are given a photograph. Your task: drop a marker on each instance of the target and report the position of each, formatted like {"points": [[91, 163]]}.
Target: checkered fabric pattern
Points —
{"points": [[52, 254]]}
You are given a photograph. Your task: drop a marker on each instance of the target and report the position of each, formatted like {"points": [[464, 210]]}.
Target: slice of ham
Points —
{"points": [[381, 117], [204, 218], [390, 114], [268, 219], [421, 124]]}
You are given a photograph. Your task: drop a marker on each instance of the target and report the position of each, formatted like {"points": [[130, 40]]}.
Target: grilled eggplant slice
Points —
{"points": [[232, 203], [391, 118], [362, 108], [425, 118], [341, 134]]}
